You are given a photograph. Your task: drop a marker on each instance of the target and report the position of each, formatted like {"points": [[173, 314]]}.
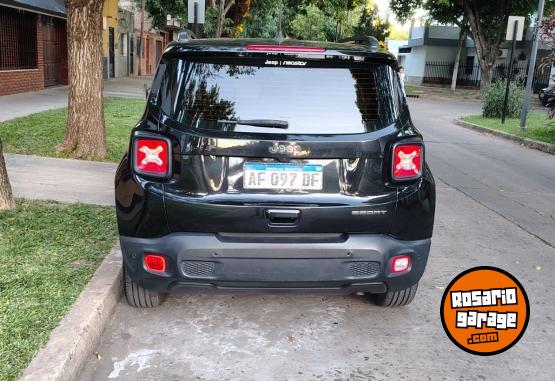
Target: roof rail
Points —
{"points": [[363, 40], [185, 35]]}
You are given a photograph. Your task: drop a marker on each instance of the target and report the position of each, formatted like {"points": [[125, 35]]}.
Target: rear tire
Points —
{"points": [[138, 296], [395, 298]]}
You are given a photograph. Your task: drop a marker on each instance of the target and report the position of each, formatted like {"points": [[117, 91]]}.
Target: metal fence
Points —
{"points": [[440, 73]]}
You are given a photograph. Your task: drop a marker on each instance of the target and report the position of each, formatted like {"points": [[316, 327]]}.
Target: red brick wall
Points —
{"points": [[19, 81]]}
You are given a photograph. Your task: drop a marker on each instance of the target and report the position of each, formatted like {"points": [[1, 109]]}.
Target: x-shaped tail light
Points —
{"points": [[407, 161], [152, 156]]}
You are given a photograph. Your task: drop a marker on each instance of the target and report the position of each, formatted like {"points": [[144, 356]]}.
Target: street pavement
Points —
{"points": [[495, 206], [515, 182], [17, 105]]}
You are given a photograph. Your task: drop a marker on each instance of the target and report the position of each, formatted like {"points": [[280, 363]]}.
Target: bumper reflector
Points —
{"points": [[400, 264], [155, 263]]}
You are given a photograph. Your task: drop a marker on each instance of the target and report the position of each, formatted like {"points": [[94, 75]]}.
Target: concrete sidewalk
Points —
{"points": [[62, 180], [17, 105]]}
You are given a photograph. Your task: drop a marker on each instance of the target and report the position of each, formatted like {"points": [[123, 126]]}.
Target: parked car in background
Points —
{"points": [[547, 95], [275, 166]]}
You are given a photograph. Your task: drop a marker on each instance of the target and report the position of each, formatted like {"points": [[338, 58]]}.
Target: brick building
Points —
{"points": [[152, 47], [33, 47]]}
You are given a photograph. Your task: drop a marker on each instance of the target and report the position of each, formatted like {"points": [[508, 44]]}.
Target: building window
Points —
{"points": [[18, 39]]}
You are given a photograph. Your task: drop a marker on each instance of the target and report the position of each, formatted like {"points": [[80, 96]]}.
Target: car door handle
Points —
{"points": [[283, 216]]}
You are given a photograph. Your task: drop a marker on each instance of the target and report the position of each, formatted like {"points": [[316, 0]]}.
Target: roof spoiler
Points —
{"points": [[186, 35], [363, 40]]}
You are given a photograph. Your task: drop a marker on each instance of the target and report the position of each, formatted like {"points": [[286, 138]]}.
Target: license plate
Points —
{"points": [[287, 176]]}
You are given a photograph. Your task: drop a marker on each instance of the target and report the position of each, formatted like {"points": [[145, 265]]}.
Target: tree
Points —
{"points": [[221, 15], [325, 20], [85, 135], [371, 24], [158, 11], [263, 17], [484, 21], [223, 7], [313, 24], [6, 197]]}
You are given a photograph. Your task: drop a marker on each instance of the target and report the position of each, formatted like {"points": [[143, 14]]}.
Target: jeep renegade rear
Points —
{"points": [[270, 166]]}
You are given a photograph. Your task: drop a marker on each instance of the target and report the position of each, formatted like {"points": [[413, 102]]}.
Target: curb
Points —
{"points": [[540, 146], [71, 343]]}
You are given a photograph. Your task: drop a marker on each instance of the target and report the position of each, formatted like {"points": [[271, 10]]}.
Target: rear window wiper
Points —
{"points": [[270, 123]]}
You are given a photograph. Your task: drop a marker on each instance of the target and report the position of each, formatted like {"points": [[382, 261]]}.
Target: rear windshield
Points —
{"points": [[310, 97]]}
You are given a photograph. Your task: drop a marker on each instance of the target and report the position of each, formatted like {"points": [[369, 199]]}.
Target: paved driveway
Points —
{"points": [[496, 206]]}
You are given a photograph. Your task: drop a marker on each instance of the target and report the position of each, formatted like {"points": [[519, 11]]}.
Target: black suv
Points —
{"points": [[275, 166]]}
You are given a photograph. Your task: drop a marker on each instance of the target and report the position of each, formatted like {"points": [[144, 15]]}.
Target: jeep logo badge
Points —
{"points": [[288, 148]]}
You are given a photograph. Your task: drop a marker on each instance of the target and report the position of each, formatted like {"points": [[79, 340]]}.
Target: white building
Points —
{"points": [[430, 53], [394, 45]]}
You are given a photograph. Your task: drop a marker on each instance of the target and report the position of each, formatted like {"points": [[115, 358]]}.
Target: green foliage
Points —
{"points": [[159, 9], [38, 134], [263, 18], [494, 96], [48, 252], [492, 14], [323, 19], [313, 24], [484, 21], [211, 21], [302, 19], [371, 24], [261, 23]]}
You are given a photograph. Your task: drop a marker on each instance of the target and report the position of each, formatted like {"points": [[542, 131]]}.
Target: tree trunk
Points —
{"points": [[6, 197], [141, 37], [221, 18], [487, 47], [486, 75], [223, 9], [85, 134], [462, 38]]}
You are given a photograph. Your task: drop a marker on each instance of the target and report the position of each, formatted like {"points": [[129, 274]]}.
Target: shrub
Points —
{"points": [[494, 95]]}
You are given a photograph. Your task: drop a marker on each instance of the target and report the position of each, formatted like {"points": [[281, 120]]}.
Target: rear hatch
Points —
{"points": [[278, 143]]}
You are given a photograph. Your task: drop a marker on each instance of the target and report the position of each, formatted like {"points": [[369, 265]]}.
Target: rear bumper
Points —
{"points": [[270, 262]]}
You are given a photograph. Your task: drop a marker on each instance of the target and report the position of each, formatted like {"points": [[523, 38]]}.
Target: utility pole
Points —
{"points": [[196, 10], [531, 65], [195, 23], [509, 74]]}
